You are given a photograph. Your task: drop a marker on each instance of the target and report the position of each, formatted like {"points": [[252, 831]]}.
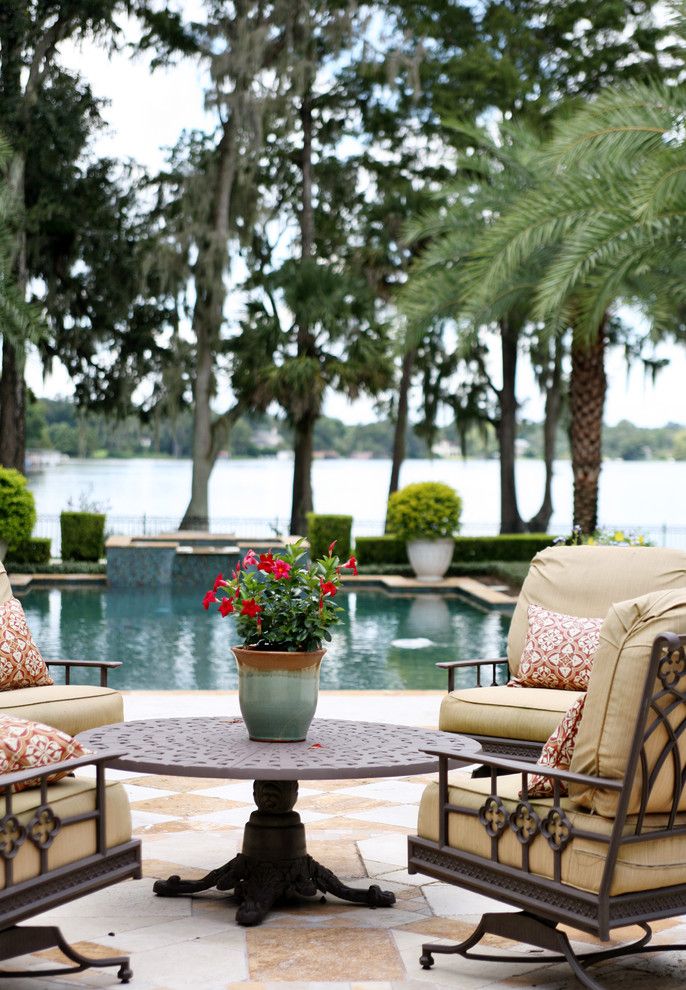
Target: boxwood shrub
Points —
{"points": [[427, 510], [322, 530], [468, 549], [83, 535], [17, 508], [33, 551]]}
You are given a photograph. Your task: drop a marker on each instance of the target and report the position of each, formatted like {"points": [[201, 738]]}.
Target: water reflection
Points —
{"points": [[167, 642]]}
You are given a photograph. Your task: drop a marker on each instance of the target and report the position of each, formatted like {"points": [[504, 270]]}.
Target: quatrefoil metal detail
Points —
{"points": [[12, 836], [672, 668], [493, 815], [557, 829], [43, 827], [525, 823]]}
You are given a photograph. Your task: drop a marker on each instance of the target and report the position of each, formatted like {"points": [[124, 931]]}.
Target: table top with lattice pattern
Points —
{"points": [[220, 747]]}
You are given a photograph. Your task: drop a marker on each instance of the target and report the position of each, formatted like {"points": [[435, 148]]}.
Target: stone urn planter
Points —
{"points": [[277, 692], [430, 559]]}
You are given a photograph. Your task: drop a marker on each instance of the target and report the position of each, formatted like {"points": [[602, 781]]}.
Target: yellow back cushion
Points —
{"points": [[5, 586], [615, 690], [586, 581]]}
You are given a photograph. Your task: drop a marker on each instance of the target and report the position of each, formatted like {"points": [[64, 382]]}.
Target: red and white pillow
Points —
{"points": [[26, 745], [21, 664], [558, 751], [558, 652]]}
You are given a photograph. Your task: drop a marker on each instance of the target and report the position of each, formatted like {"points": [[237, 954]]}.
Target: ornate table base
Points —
{"points": [[274, 862]]}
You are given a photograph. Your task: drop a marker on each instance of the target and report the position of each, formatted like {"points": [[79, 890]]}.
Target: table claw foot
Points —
{"points": [[329, 883], [258, 892], [175, 886]]}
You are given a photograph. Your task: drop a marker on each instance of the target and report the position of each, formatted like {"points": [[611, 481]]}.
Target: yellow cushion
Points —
{"points": [[71, 796], [511, 713], [5, 586], [641, 866], [614, 695], [72, 708], [585, 581]]}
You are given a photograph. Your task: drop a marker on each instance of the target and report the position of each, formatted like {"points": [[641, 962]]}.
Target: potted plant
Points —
{"points": [[283, 607], [427, 516]]}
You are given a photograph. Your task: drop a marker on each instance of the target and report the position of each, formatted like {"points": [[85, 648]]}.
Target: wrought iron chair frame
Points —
{"points": [[522, 749], [104, 666], [545, 902], [52, 887]]}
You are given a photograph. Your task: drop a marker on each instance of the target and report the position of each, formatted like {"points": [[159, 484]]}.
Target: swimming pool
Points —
{"points": [[167, 642]]}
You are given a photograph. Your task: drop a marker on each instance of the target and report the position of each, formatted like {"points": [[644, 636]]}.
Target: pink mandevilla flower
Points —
{"points": [[250, 559], [282, 569], [351, 564]]}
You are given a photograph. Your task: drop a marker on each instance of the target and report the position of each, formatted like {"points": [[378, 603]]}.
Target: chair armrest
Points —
{"points": [[452, 665], [520, 766], [103, 665], [41, 774]]}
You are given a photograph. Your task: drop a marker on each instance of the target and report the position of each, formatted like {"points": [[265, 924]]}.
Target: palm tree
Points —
{"points": [[491, 177]]}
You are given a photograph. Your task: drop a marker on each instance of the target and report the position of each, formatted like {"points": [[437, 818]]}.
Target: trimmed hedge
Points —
{"points": [[83, 535], [468, 549], [323, 530], [33, 551], [17, 508], [63, 567]]}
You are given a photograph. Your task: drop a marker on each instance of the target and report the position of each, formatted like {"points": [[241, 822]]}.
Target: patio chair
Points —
{"points": [[73, 708], [581, 581], [610, 854], [57, 842]]}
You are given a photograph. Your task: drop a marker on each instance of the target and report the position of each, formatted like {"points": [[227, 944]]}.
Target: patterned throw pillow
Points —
{"points": [[558, 750], [21, 664], [558, 652], [26, 745]]}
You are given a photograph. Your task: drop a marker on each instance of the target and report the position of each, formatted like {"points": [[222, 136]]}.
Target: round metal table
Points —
{"points": [[274, 862]]}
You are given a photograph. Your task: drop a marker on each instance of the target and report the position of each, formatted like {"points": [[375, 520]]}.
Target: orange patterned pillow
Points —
{"points": [[26, 745], [558, 750], [21, 664], [558, 652]]}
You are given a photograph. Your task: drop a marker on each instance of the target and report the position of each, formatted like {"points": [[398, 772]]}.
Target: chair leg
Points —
{"points": [[523, 927], [23, 940]]}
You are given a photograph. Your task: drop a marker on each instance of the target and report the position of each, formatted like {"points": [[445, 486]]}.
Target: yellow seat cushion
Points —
{"points": [[641, 866], [614, 696], [585, 581], [71, 796], [73, 708], [511, 713]]}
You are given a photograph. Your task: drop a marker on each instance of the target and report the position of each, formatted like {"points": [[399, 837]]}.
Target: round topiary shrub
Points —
{"points": [[17, 510], [428, 510]]}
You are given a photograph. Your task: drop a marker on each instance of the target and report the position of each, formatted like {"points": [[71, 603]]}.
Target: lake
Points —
{"points": [[645, 494]]}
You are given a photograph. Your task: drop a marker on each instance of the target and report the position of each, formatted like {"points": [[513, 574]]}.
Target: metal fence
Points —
{"points": [[660, 534]]}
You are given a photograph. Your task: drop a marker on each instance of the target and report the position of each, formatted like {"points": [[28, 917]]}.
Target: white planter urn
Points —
{"points": [[430, 559]]}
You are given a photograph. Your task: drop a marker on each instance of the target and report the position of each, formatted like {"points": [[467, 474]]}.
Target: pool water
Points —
{"points": [[167, 641]]}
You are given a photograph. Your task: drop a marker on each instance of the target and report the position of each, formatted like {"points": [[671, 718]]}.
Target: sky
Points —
{"points": [[145, 115]]}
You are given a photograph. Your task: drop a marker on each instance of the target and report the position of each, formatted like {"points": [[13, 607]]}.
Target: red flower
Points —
{"points": [[250, 559], [331, 546], [282, 569], [208, 599], [266, 563], [328, 588], [226, 607], [351, 564], [250, 607], [218, 582]]}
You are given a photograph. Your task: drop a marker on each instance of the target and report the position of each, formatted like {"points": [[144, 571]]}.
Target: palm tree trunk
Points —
{"points": [[12, 406], [553, 404], [207, 320], [303, 444], [400, 430], [586, 403], [510, 519]]}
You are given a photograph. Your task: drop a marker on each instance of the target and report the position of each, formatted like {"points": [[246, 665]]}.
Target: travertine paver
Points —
{"points": [[179, 944]]}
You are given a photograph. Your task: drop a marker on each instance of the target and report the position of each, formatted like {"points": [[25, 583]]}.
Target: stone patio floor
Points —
{"points": [[358, 828]]}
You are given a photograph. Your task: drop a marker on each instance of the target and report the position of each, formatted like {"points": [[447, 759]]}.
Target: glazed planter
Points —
{"points": [[277, 692], [430, 559]]}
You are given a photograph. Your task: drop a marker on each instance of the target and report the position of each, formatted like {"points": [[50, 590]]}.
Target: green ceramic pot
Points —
{"points": [[277, 692]]}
